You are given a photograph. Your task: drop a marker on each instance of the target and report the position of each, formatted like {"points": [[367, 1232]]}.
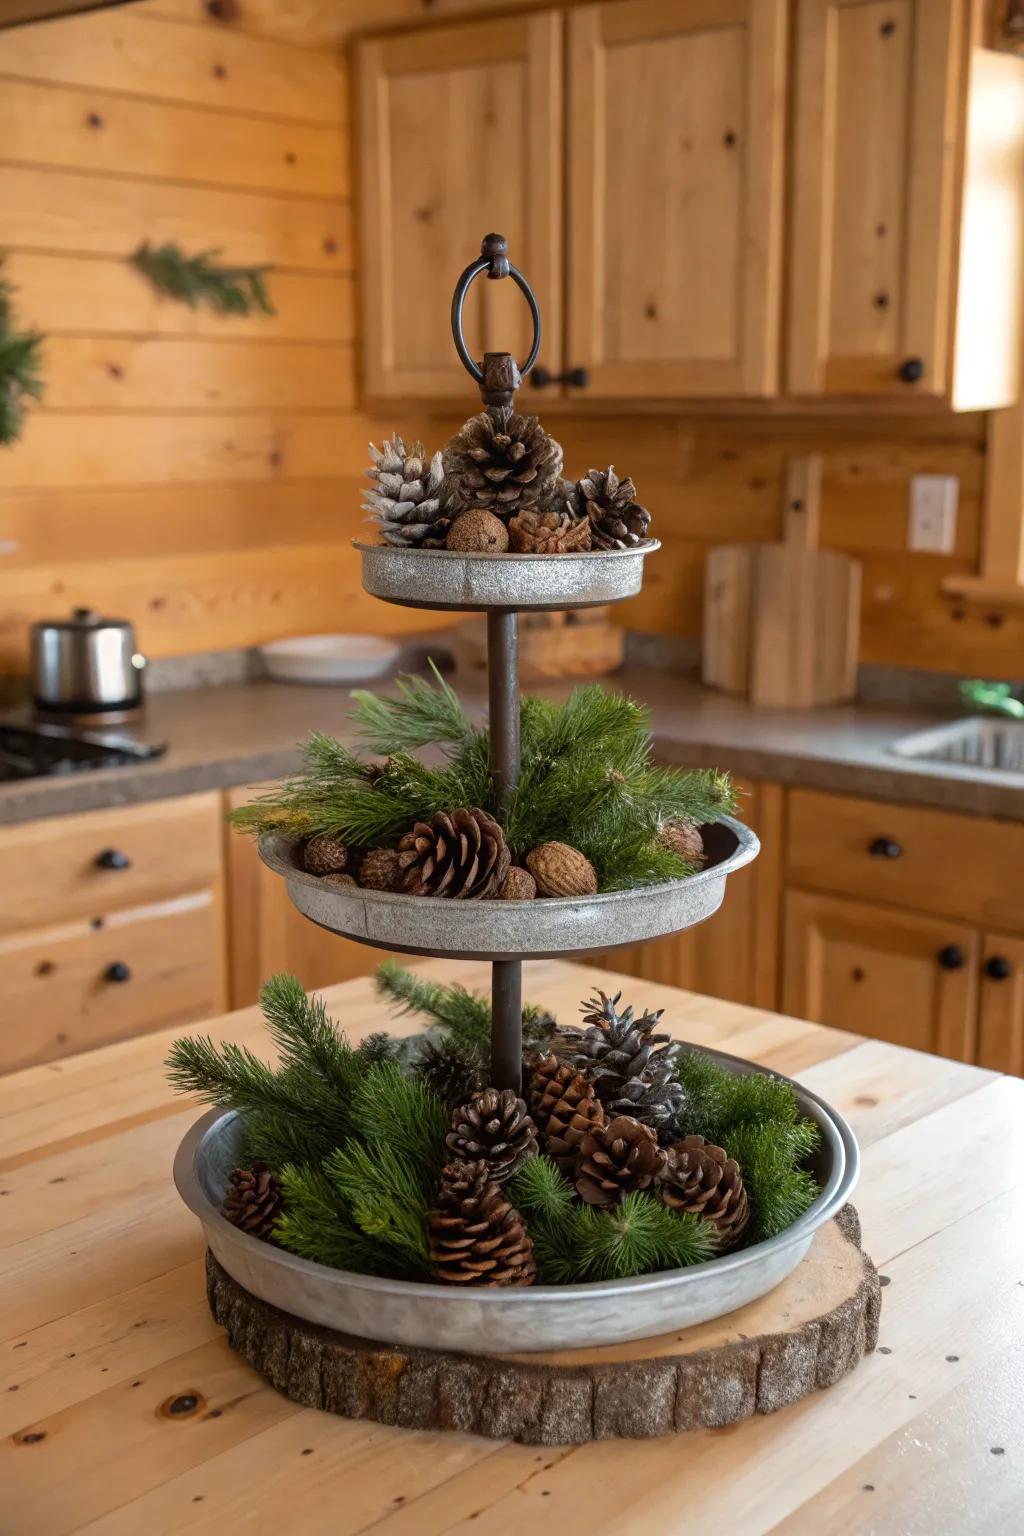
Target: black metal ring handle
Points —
{"points": [[494, 261]]}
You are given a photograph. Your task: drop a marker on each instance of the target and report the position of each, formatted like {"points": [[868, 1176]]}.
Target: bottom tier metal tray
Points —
{"points": [[497, 930], [497, 1321]]}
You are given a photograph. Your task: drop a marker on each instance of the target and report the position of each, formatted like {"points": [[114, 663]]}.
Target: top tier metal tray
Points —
{"points": [[441, 578]]}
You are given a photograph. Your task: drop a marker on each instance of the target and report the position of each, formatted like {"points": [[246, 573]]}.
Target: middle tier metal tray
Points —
{"points": [[505, 930], [442, 578]]}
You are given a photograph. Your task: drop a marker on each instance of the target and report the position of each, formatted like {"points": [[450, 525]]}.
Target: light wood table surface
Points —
{"points": [[103, 1319]]}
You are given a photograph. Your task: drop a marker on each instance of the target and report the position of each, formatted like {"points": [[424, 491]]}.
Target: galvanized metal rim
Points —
{"points": [[837, 1190], [645, 547]]}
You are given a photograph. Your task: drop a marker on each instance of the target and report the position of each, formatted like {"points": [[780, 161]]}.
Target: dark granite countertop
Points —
{"points": [[245, 733]]}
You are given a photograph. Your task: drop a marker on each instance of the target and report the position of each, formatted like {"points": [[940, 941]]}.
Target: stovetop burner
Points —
{"points": [[35, 750]]}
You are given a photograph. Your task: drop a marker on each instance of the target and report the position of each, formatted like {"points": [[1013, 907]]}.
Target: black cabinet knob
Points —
{"points": [[951, 957], [113, 858], [579, 378], [885, 848], [911, 370], [998, 968], [118, 972]]}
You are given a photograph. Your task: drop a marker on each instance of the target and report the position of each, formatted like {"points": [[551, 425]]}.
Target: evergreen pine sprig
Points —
{"points": [[201, 279], [20, 368], [422, 715], [465, 1015]]}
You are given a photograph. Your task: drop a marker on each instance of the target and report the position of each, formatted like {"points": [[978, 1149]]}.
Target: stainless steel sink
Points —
{"points": [[979, 742]]}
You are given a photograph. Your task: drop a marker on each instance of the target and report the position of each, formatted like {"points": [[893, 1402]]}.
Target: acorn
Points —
{"points": [[560, 870], [519, 885], [478, 532], [324, 854]]}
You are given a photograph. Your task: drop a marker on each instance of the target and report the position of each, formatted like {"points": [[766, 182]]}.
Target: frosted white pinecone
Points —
{"points": [[405, 500]]}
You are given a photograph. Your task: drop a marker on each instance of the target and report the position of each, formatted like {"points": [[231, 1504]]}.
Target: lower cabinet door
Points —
{"points": [[1001, 1018], [877, 971]]}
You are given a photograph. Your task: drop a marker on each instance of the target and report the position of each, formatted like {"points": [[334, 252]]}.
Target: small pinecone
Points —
{"points": [[548, 1078], [683, 837], [617, 1158], [500, 459], [701, 1179], [476, 1237], [463, 855], [377, 1048], [406, 499], [656, 1098], [571, 1117], [535, 532], [380, 870], [494, 1125], [561, 871], [616, 521], [450, 1070], [630, 1065], [478, 532], [252, 1200], [324, 854], [518, 885]]}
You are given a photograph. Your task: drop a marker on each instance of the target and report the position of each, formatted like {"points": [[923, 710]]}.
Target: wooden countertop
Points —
{"points": [[104, 1321]]}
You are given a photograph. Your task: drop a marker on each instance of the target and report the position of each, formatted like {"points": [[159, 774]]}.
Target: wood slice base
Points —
{"points": [[808, 1333]]}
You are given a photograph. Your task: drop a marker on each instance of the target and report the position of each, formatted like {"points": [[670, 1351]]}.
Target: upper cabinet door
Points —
{"points": [[460, 134], [675, 196], [872, 255]]}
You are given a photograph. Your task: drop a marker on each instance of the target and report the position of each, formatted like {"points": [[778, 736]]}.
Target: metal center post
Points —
{"points": [[506, 975]]}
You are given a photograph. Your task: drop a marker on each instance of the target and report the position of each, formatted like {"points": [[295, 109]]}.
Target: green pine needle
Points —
{"points": [[316, 1224], [422, 714], [466, 1015], [201, 279], [21, 364]]}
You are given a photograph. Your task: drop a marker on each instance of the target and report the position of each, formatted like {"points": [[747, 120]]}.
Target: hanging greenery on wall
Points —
{"points": [[201, 279], [20, 368]]}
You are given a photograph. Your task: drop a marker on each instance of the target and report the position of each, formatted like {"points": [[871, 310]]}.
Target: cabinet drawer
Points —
{"points": [[90, 865], [78, 985], [927, 861]]}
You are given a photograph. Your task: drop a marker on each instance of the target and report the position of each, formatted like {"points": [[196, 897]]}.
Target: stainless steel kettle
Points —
{"points": [[86, 665]]}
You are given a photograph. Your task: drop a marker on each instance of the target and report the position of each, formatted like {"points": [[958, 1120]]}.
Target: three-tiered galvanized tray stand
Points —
{"points": [[265, 1295]]}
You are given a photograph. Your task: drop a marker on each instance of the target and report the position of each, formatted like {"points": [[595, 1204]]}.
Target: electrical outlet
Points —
{"points": [[933, 503]]}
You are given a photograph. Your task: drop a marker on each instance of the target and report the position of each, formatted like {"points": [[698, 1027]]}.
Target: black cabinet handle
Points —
{"points": [[998, 968], [911, 370], [579, 378], [118, 972], [885, 848], [951, 957], [113, 858]]}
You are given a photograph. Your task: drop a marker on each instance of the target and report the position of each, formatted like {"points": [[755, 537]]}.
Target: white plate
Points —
{"points": [[330, 658]]}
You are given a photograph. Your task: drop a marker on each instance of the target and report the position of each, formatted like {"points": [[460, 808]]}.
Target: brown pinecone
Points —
{"points": [[499, 460], [380, 870], [324, 854], [561, 871], [536, 532], [701, 1179], [571, 1117], [632, 1067], [252, 1200], [475, 1236], [549, 1077], [683, 837], [615, 1159], [463, 855], [494, 1125], [616, 520]]}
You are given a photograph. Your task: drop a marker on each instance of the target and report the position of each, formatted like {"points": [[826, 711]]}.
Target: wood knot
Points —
{"points": [[183, 1405]]}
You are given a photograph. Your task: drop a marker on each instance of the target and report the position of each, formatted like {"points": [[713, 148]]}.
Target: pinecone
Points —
{"points": [[324, 854], [655, 1097], [450, 1070], [683, 837], [616, 521], [615, 1159], [476, 1237], [571, 1117], [463, 855], [494, 1125], [701, 1179], [499, 460], [406, 501], [548, 1079], [631, 1067], [252, 1200], [380, 870], [536, 532], [561, 871]]}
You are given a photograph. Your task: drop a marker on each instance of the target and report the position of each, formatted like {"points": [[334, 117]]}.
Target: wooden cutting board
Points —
{"points": [[782, 621]]}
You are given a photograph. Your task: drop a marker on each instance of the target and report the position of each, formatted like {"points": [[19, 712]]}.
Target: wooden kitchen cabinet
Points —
{"points": [[675, 163], [882, 972], [1001, 1015], [907, 210], [459, 133]]}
